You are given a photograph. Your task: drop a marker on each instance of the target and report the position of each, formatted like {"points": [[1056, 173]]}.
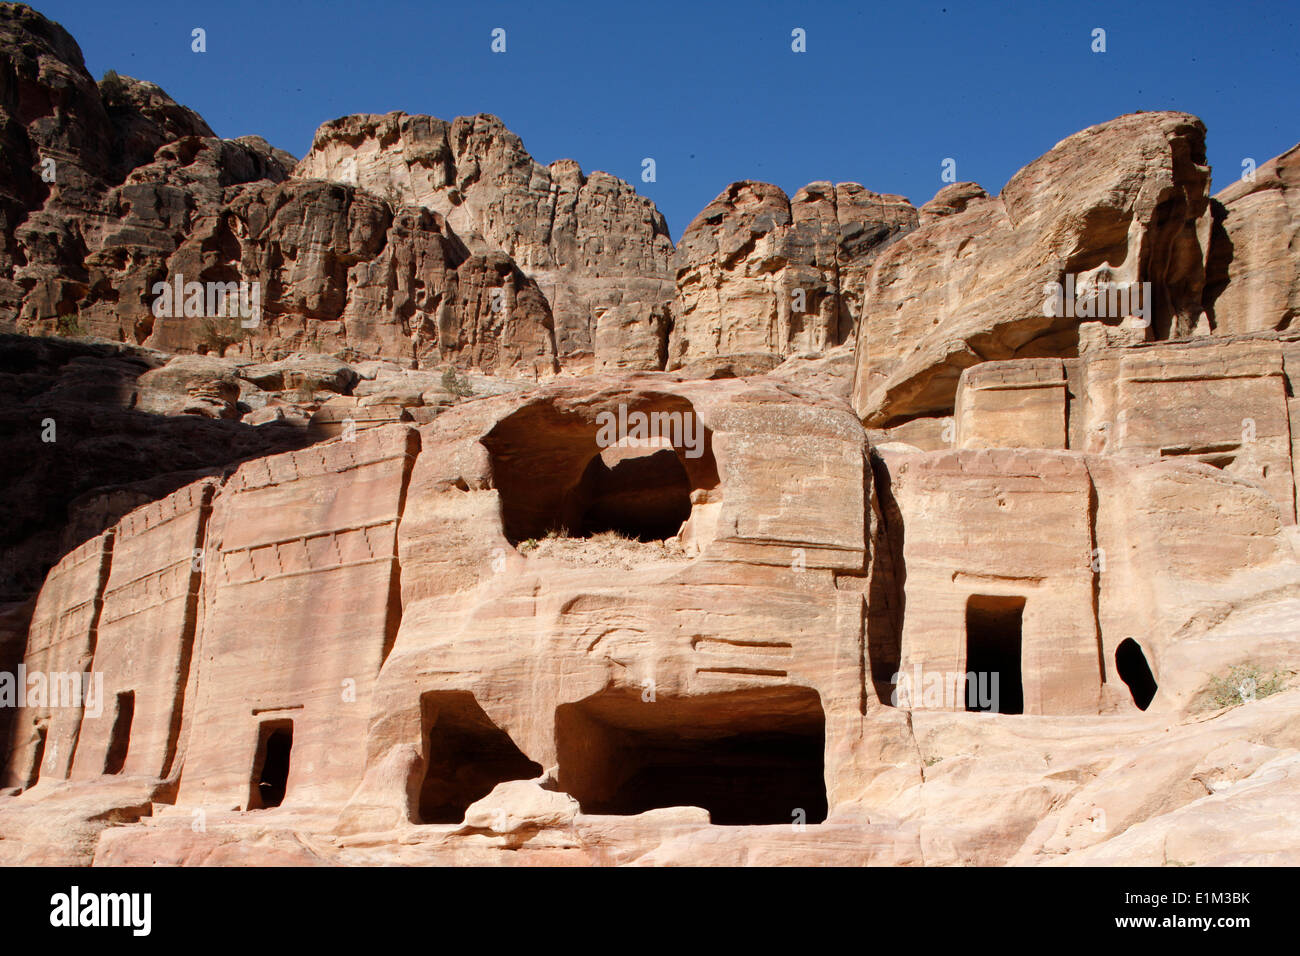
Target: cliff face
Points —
{"points": [[760, 273], [490, 528], [590, 242]]}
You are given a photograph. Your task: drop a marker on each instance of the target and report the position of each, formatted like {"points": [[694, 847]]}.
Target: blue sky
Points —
{"points": [[713, 91]]}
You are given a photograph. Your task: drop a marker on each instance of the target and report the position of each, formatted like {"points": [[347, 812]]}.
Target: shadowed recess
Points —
{"points": [[467, 755], [1134, 671], [271, 769], [554, 477], [748, 757], [993, 638]]}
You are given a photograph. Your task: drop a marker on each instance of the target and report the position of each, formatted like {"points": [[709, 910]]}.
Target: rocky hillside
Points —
{"points": [[414, 502]]}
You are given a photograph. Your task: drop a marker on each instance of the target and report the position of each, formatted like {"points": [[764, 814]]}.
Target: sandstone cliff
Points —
{"points": [[760, 273], [589, 241], [510, 534]]}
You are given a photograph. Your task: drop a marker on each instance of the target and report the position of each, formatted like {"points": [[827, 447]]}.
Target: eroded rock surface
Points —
{"points": [[589, 241], [758, 272], [1253, 283], [432, 564], [969, 286]]}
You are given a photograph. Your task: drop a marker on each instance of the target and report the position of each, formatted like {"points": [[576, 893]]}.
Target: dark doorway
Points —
{"points": [[38, 757], [993, 645], [468, 756], [271, 767], [120, 741], [1134, 671], [748, 757]]}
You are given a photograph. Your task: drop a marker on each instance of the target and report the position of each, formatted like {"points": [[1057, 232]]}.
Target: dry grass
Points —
{"points": [[609, 549]]}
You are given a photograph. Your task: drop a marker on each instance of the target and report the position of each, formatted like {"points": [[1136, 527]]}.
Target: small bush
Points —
{"points": [[456, 384], [111, 86], [68, 325], [1236, 688]]}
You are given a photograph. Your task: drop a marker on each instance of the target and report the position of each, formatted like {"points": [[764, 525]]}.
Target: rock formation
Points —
{"points": [[508, 534], [589, 242], [1253, 282], [969, 286], [760, 273]]}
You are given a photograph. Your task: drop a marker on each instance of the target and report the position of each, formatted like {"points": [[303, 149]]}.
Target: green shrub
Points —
{"points": [[1236, 687], [456, 384]]}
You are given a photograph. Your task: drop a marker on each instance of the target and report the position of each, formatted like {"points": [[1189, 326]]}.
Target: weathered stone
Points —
{"points": [[971, 286], [757, 272], [1219, 401], [60, 647], [1253, 280], [145, 638], [619, 616], [280, 523], [589, 242]]}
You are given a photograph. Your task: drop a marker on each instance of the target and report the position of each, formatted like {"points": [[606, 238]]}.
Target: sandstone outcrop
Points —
{"points": [[589, 241], [1253, 281], [1223, 402], [114, 188], [435, 564], [611, 693], [970, 285], [760, 273]]}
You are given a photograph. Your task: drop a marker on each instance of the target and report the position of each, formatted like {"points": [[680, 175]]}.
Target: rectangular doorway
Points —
{"points": [[993, 654], [120, 741], [271, 764]]}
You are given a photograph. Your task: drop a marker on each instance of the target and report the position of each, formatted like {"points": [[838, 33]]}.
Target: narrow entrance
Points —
{"points": [[1134, 671], [468, 755], [38, 758], [271, 767], [120, 741], [993, 639]]}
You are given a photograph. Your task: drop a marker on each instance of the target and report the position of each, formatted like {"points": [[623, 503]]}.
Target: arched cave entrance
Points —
{"points": [[748, 757], [639, 493], [1134, 671], [558, 473]]}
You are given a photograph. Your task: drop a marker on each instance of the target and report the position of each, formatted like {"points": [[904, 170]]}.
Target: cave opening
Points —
{"points": [[993, 649], [643, 494], [271, 766], [577, 472], [1135, 672], [120, 738], [468, 755], [750, 757]]}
